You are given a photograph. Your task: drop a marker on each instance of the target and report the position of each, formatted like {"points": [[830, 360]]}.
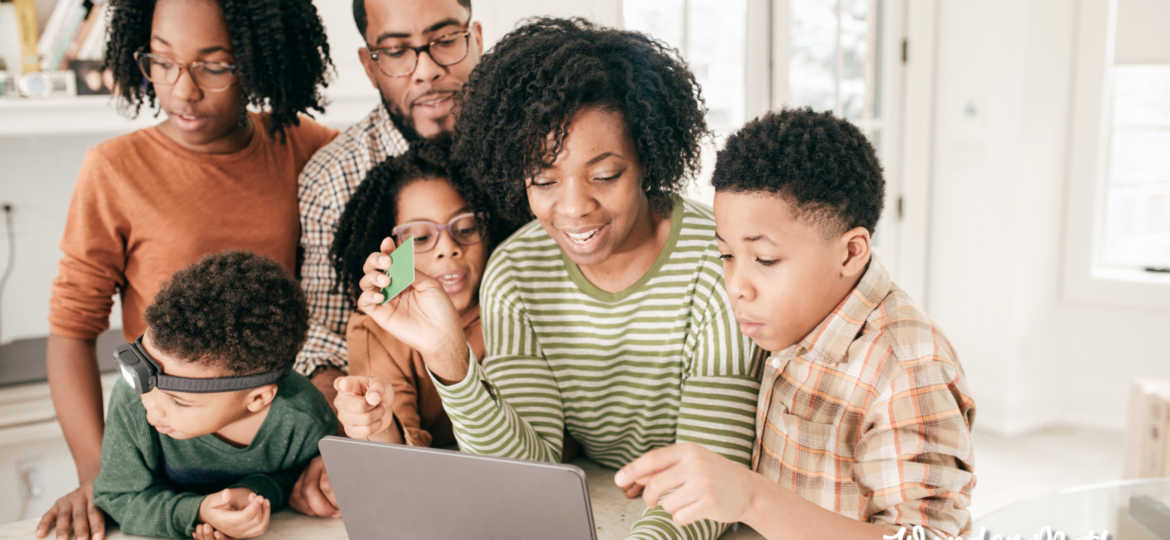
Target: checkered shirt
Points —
{"points": [[869, 415], [325, 185]]}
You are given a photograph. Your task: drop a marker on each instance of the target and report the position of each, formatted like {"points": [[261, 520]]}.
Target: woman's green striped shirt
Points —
{"points": [[658, 363]]}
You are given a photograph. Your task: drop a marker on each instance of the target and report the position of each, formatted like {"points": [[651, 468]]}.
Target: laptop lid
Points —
{"points": [[405, 492]]}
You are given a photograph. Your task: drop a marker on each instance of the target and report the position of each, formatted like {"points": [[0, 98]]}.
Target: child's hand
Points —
{"points": [[204, 531], [706, 485], [363, 406], [234, 513]]}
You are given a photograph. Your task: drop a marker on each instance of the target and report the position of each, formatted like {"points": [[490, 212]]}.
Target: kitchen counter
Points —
{"points": [[23, 361], [613, 515]]}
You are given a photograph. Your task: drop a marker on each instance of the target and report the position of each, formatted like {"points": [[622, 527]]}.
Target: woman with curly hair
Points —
{"points": [[211, 176], [606, 316]]}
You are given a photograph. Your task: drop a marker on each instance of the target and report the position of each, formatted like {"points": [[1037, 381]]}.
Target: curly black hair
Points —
{"points": [[235, 309], [822, 163], [372, 212], [537, 76], [361, 20], [280, 46]]}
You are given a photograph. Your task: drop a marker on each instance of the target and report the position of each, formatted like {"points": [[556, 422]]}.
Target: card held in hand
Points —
{"points": [[401, 270]]}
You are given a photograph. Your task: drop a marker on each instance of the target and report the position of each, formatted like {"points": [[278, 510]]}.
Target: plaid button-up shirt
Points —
{"points": [[325, 186], [869, 415]]}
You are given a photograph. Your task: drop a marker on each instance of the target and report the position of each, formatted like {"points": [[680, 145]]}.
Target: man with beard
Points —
{"points": [[418, 54]]}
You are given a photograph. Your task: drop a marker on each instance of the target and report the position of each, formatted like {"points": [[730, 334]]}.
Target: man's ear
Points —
{"points": [[477, 31], [370, 65], [855, 251], [258, 398]]}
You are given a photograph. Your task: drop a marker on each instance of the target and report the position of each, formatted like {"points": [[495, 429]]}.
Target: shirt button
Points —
{"points": [[775, 362]]}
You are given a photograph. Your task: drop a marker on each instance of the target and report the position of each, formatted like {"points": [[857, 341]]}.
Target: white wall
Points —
{"points": [[998, 209], [37, 174]]}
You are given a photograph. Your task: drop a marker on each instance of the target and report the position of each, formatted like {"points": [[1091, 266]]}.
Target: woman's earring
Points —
{"points": [[648, 185]]}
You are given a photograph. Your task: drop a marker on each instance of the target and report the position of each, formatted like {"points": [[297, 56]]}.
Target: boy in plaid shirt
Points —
{"points": [[864, 419]]}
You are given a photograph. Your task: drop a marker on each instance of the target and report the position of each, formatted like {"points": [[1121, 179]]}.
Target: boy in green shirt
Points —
{"points": [[210, 429]]}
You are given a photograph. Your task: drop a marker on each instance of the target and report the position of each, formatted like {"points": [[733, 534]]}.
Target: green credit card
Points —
{"points": [[401, 270]]}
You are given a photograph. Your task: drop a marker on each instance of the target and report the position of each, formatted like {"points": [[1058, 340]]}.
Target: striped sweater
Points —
{"points": [[660, 362]]}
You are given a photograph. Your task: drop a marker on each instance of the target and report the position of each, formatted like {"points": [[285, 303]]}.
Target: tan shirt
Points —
{"points": [[870, 416], [145, 207], [417, 406]]}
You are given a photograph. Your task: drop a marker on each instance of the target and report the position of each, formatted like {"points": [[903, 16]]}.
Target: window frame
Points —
{"points": [[1086, 278], [908, 122]]}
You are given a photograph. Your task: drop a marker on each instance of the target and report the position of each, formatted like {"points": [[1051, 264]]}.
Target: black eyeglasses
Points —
{"points": [[214, 76], [448, 50], [465, 229]]}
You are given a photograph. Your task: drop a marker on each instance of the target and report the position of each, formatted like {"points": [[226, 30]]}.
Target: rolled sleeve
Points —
{"points": [[917, 459]]}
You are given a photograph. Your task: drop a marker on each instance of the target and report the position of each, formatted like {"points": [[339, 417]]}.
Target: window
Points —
{"points": [[1118, 224], [836, 60], [835, 64], [1137, 186], [710, 35]]}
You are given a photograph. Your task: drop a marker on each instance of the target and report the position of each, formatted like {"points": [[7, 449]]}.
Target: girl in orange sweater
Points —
{"points": [[211, 176]]}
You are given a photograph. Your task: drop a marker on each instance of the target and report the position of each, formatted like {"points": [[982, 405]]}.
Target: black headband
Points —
{"points": [[144, 374]]}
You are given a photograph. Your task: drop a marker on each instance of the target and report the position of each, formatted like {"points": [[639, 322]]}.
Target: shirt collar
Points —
{"points": [[830, 340], [386, 132]]}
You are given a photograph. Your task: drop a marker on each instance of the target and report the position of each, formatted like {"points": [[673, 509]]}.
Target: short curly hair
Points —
{"points": [[362, 21], [235, 309], [372, 211], [537, 76], [822, 163], [280, 46]]}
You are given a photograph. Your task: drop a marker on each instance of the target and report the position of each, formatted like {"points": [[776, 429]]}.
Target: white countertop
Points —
{"points": [[612, 513]]}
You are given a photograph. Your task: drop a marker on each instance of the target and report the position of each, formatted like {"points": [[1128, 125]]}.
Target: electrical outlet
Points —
{"points": [[31, 473]]}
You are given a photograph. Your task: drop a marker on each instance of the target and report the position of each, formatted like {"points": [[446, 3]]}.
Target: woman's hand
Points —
{"points": [[74, 513], [422, 317]]}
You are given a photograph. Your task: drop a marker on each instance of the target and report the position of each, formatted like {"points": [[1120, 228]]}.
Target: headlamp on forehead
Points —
{"points": [[144, 374]]}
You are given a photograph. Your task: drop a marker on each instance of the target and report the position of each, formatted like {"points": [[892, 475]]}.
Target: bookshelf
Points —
{"points": [[66, 116], [86, 115]]}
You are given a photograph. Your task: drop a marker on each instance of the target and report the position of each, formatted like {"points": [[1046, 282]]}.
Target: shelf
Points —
{"points": [[90, 115]]}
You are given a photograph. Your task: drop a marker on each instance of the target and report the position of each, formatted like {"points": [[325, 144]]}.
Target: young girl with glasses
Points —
{"points": [[211, 176], [417, 197]]}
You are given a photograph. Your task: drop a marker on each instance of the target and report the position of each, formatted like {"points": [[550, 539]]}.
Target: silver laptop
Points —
{"points": [[404, 492]]}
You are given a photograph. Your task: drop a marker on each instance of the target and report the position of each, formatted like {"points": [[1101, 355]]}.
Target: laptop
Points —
{"points": [[405, 492]]}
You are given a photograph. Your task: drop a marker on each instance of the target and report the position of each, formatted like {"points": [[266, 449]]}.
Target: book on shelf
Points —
{"points": [[73, 49], [94, 45], [26, 22], [9, 38], [72, 25], [53, 28]]}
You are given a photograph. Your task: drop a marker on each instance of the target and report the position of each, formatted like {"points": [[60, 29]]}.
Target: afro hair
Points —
{"points": [[821, 163], [235, 310]]}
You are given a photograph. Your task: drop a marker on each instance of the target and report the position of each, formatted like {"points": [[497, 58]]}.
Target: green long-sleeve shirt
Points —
{"points": [[660, 362], [152, 485]]}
